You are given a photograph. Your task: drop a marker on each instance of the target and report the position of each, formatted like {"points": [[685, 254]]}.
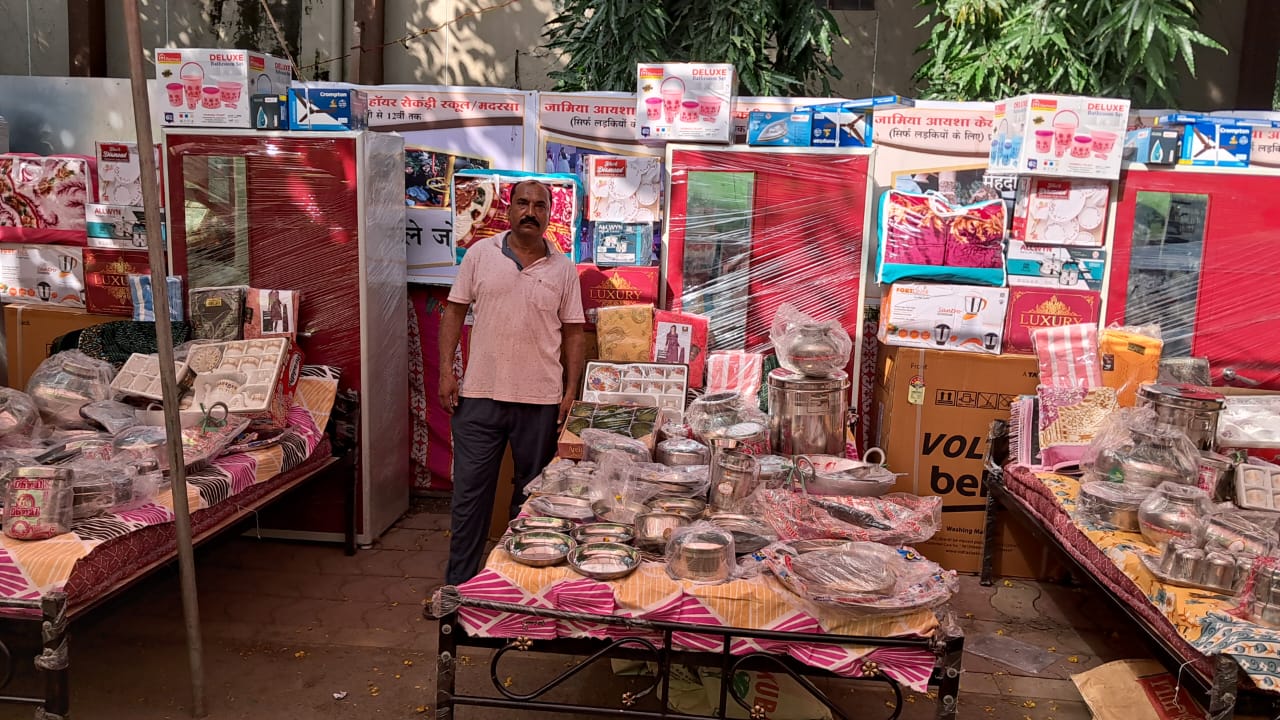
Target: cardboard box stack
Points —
{"points": [[966, 286]]}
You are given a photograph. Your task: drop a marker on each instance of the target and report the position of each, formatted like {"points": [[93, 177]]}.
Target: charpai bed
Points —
{"points": [[1227, 660], [731, 626], [53, 581]]}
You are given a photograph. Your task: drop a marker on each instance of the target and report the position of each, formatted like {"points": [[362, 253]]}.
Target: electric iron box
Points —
{"points": [[789, 128]]}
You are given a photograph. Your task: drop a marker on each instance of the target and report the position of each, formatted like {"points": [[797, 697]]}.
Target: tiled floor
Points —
{"points": [[287, 627]]}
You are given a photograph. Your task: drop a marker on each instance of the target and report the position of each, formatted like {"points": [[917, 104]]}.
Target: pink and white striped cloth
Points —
{"points": [[758, 602], [1068, 356]]}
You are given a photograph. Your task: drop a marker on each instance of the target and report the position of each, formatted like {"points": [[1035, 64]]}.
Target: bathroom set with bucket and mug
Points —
{"points": [[211, 88], [1060, 136]]}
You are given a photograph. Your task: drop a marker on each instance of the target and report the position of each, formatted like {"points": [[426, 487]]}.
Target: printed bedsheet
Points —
{"points": [[1192, 619], [29, 569], [759, 602]]}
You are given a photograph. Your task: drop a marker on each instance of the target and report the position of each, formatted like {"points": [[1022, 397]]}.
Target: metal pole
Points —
{"points": [[164, 341]]}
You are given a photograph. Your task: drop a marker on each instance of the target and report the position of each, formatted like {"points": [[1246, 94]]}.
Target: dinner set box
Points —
{"points": [[1060, 135], [212, 87], [933, 410], [1068, 212], [120, 173], [966, 318], [30, 330], [42, 275], [685, 102]]}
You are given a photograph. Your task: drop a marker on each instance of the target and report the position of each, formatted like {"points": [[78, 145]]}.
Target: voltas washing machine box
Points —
{"points": [[965, 318], [932, 412]]}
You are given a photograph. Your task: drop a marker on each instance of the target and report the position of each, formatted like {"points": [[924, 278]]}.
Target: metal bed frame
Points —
{"points": [[1222, 694], [947, 648], [53, 618]]}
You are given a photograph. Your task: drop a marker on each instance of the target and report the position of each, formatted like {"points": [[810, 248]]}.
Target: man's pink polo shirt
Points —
{"points": [[518, 314]]}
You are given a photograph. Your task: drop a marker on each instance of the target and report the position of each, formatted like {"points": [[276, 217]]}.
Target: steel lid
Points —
{"points": [[785, 379], [1191, 397]]}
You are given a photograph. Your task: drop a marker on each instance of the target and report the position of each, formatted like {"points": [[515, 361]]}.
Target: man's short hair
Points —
{"points": [[551, 199]]}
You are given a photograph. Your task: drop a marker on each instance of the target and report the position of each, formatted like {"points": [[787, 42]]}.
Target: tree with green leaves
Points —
{"points": [[991, 49], [779, 47]]}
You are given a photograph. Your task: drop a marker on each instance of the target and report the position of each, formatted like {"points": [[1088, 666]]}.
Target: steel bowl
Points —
{"points": [[604, 560], [605, 532], [530, 524], [565, 507], [682, 451], [749, 534], [539, 548], [653, 529], [703, 557], [687, 506], [611, 511]]}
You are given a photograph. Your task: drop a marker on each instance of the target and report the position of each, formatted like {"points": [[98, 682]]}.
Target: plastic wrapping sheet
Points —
{"points": [[481, 198], [751, 229], [66, 382], [863, 576], [1130, 358], [702, 552], [927, 237], [897, 518], [322, 215], [1193, 251], [1068, 356], [19, 415], [42, 199]]}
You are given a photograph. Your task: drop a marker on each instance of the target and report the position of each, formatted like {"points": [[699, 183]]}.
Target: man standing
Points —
{"points": [[526, 332]]}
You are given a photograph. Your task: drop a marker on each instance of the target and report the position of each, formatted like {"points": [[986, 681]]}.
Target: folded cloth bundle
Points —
{"points": [[1068, 355], [1070, 417], [1129, 360]]}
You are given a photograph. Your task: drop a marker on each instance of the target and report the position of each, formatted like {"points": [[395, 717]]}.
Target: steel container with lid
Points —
{"points": [[807, 415], [1189, 408]]}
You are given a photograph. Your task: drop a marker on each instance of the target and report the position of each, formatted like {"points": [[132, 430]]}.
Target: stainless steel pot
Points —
{"points": [[807, 415], [734, 476], [682, 451], [654, 529], [1189, 408]]}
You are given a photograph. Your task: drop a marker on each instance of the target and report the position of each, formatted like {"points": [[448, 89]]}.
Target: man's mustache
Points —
{"points": [[530, 221]]}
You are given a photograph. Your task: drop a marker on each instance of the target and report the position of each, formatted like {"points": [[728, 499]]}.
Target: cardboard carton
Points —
{"points": [[1046, 266], [1060, 135], [1153, 146], [106, 279], [765, 128], [934, 409], [30, 330], [967, 318], [609, 287], [1032, 308], [119, 227], [330, 109], [690, 102], [42, 275], [213, 87]]}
